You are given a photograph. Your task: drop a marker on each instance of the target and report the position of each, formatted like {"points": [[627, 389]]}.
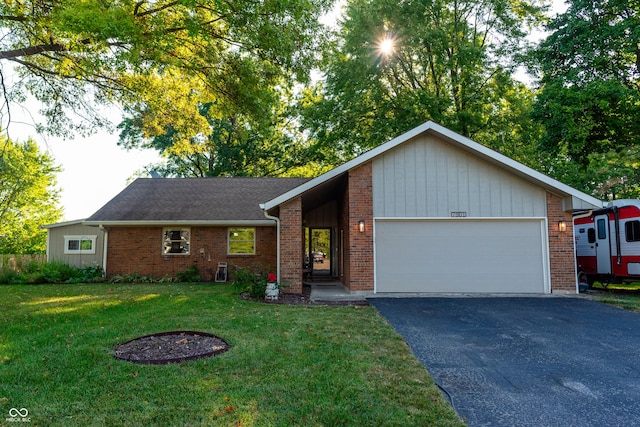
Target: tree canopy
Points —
{"points": [[160, 59], [445, 60], [589, 99], [28, 197]]}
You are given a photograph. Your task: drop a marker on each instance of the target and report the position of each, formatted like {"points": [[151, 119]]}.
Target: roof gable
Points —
{"points": [[575, 198], [192, 200]]}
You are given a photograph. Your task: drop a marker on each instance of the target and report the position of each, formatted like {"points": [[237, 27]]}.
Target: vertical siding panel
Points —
{"points": [[485, 191], [410, 179], [431, 179], [399, 192], [442, 196], [463, 183], [505, 196], [421, 178], [427, 177], [389, 174], [474, 188]]}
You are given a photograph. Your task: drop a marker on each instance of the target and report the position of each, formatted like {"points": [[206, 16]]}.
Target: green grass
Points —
{"points": [[287, 365], [623, 295]]}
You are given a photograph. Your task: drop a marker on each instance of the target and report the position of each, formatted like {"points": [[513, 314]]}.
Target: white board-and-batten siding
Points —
{"points": [[428, 178]]}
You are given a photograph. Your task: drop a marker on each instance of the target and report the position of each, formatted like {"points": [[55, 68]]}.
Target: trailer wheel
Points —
{"points": [[585, 278]]}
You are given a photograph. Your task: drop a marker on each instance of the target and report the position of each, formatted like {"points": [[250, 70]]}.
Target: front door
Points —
{"points": [[319, 253], [603, 246]]}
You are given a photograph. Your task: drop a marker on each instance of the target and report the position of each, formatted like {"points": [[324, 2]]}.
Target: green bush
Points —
{"points": [[191, 274], [10, 277], [252, 279], [35, 273]]}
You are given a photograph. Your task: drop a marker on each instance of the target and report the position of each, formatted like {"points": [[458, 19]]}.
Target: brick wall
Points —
{"points": [[139, 250], [561, 247], [359, 245], [291, 246]]}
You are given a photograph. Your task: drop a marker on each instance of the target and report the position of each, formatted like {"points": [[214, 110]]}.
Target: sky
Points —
{"points": [[96, 169]]}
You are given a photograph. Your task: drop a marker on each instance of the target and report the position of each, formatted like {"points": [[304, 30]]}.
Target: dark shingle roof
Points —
{"points": [[193, 199]]}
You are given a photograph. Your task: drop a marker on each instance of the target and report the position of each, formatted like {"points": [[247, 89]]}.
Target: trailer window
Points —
{"points": [[602, 230], [591, 235], [632, 231]]}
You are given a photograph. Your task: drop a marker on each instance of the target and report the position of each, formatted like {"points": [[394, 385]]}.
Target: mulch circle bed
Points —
{"points": [[170, 347]]}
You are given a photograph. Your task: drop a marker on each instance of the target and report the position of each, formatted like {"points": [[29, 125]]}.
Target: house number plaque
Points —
{"points": [[458, 214]]}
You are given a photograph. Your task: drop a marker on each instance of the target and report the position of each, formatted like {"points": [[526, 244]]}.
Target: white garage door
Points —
{"points": [[477, 256]]}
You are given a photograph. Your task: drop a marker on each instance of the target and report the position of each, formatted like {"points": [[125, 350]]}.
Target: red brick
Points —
{"points": [[139, 250]]}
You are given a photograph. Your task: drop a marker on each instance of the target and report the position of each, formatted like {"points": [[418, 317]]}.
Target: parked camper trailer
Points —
{"points": [[608, 243]]}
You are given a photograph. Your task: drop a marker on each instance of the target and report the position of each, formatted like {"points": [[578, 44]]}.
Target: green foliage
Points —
{"points": [[589, 100], [35, 273], [451, 63], [191, 274], [28, 197], [251, 279], [262, 144], [161, 60]]}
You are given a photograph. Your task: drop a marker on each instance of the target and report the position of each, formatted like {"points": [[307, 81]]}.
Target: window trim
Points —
{"points": [[80, 238], [230, 240], [187, 241], [632, 229]]}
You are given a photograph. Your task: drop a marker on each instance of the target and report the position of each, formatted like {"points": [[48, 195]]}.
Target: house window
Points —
{"points": [[632, 231], [80, 244], [175, 241], [242, 241]]}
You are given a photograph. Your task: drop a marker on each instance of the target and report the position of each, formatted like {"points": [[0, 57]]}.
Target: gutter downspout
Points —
{"points": [[277, 220], [105, 245]]}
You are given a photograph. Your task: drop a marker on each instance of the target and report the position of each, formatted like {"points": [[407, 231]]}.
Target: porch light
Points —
{"points": [[562, 226], [361, 225]]}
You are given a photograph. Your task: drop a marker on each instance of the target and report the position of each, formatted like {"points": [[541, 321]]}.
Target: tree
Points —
{"points": [[589, 100], [241, 145], [445, 60], [28, 197], [160, 59]]}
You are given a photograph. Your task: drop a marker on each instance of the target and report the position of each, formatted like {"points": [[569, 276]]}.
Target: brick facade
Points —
{"points": [[291, 246], [139, 250], [358, 246], [561, 247]]}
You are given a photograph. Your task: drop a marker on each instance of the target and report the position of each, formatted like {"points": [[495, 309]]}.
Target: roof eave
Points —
{"points": [[465, 143], [158, 223]]}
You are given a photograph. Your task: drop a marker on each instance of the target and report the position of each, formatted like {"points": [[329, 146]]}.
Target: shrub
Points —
{"points": [[10, 277], [191, 274], [252, 279]]}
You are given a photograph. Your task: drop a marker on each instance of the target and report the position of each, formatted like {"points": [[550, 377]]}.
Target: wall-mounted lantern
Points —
{"points": [[361, 225], [562, 226]]}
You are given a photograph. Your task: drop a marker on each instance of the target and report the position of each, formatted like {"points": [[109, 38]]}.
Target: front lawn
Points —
{"points": [[287, 365]]}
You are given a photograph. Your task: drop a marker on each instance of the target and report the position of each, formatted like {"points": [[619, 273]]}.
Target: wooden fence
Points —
{"points": [[15, 262]]}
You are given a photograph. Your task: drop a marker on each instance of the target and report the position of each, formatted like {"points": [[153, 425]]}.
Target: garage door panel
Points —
{"points": [[460, 256]]}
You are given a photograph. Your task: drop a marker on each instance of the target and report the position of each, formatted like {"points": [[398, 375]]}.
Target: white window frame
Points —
{"points": [[230, 240], [80, 239], [186, 238]]}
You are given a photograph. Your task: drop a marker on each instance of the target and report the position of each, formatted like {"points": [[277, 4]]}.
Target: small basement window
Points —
{"points": [[632, 231], [176, 241], [80, 244], [241, 241]]}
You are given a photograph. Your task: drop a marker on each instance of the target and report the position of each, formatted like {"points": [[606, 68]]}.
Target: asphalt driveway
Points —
{"points": [[526, 361]]}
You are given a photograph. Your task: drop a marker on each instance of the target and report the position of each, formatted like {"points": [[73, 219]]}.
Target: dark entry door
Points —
{"points": [[318, 242]]}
